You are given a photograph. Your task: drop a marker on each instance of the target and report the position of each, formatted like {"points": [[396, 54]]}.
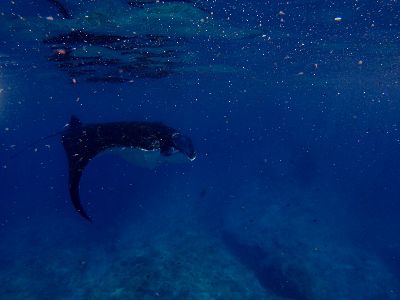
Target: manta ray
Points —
{"points": [[83, 142]]}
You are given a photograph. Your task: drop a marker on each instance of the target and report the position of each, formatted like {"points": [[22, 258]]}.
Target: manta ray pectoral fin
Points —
{"points": [[74, 179]]}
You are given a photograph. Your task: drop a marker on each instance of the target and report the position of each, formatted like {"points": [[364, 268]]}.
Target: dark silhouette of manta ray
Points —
{"points": [[82, 142]]}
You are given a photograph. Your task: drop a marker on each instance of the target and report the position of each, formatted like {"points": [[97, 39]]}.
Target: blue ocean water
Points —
{"points": [[292, 107]]}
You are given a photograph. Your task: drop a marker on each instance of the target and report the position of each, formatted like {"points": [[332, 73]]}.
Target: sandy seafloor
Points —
{"points": [[293, 195]]}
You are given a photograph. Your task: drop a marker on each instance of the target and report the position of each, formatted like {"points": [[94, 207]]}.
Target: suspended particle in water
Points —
{"points": [[60, 51]]}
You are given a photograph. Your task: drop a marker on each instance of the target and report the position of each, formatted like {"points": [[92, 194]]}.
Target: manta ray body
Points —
{"points": [[82, 142]]}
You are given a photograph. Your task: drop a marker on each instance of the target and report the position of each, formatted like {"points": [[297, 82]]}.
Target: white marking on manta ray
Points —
{"points": [[149, 159]]}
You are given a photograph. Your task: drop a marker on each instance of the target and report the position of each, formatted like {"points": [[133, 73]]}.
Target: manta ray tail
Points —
{"points": [[74, 179], [78, 154]]}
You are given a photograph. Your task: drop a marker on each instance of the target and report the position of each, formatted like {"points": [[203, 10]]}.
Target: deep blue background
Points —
{"points": [[313, 106]]}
